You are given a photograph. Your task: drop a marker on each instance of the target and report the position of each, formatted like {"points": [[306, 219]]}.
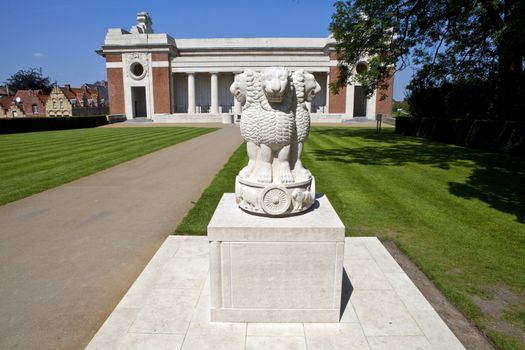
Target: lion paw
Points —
{"points": [[245, 172], [265, 174], [302, 173], [306, 174], [265, 178], [286, 176]]}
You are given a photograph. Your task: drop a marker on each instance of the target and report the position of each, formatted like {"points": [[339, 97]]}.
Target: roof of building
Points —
{"points": [[43, 98], [5, 101], [70, 95], [29, 98], [98, 89], [28, 94], [142, 35]]}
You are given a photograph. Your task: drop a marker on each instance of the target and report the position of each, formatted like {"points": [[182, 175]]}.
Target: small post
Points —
{"points": [[379, 119]]}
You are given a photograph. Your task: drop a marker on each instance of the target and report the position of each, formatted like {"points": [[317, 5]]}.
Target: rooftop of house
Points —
{"points": [[28, 98], [6, 101], [28, 95], [43, 98]]}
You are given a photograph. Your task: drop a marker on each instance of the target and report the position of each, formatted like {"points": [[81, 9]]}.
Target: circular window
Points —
{"points": [[137, 69], [361, 67]]}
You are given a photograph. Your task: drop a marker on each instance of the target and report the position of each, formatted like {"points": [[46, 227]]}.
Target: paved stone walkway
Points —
{"points": [[69, 254], [168, 308]]}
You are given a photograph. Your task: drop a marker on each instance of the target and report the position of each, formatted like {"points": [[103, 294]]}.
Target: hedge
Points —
{"points": [[31, 124], [491, 135]]}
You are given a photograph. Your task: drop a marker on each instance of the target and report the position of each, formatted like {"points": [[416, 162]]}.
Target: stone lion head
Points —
{"points": [[275, 83], [239, 86], [311, 86]]}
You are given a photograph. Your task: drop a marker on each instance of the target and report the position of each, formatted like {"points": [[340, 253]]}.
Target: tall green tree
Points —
{"points": [[446, 40], [30, 79]]}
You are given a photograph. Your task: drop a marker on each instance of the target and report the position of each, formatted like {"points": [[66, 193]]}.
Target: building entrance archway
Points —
{"points": [[138, 97], [359, 102]]}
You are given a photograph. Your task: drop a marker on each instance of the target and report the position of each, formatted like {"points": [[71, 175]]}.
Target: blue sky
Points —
{"points": [[62, 36]]}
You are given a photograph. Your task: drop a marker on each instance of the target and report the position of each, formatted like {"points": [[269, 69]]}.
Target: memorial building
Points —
{"points": [[152, 75]]}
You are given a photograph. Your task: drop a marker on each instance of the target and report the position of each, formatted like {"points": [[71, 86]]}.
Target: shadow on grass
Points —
{"points": [[496, 179]]}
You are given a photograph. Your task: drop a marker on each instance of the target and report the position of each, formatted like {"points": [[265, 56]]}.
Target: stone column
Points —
{"points": [[371, 106], [350, 92], [214, 93], [191, 93]]}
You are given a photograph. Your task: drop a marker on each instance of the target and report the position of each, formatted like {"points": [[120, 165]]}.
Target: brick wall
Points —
{"points": [[114, 57], [116, 91], [337, 103], [160, 56], [161, 89], [384, 99]]}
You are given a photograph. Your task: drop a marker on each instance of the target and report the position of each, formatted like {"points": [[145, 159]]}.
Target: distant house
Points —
{"points": [[28, 103], [68, 101], [60, 102], [100, 89], [6, 98], [5, 105]]}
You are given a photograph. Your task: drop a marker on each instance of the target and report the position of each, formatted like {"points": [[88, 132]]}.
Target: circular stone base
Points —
{"points": [[275, 199]]}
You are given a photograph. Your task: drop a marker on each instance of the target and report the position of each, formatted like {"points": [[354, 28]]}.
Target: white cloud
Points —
{"points": [[38, 54]]}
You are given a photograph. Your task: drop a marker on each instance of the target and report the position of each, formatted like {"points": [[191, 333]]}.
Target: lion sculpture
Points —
{"points": [[275, 122]]}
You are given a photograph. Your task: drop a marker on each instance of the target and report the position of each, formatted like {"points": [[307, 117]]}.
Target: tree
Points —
{"points": [[447, 41], [30, 79]]}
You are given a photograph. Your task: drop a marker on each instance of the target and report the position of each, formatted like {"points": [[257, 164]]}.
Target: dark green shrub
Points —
{"points": [[31, 124]]}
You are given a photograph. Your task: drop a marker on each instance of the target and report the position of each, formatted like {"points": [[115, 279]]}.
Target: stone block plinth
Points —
{"points": [[280, 269]]}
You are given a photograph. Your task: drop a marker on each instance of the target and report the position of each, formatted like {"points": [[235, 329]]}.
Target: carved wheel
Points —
{"points": [[274, 200]]}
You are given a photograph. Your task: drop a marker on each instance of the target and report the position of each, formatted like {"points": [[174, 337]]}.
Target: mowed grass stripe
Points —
{"points": [[360, 191], [91, 157], [65, 154], [70, 154], [29, 152], [405, 182], [42, 138], [72, 138], [62, 167]]}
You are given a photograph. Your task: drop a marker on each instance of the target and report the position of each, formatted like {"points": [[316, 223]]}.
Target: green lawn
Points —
{"points": [[458, 213], [34, 162]]}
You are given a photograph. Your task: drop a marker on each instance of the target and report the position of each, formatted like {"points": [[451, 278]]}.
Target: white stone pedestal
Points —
{"points": [[266, 269]]}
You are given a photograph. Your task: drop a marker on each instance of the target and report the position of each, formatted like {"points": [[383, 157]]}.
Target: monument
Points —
{"points": [[276, 249], [275, 123]]}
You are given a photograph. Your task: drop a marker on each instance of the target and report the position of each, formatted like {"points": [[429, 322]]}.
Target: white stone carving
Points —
{"points": [[275, 122], [132, 60], [144, 24]]}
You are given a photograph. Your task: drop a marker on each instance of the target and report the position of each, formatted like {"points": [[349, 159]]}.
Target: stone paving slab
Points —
{"points": [[168, 308]]}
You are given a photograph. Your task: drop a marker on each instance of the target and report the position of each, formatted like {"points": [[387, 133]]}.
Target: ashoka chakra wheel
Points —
{"points": [[274, 200]]}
